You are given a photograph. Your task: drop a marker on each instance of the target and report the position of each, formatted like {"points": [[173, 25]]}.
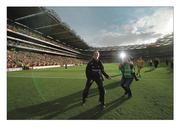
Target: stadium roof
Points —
{"points": [[164, 41], [48, 23]]}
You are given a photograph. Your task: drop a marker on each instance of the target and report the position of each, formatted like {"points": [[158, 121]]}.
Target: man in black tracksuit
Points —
{"points": [[94, 72]]}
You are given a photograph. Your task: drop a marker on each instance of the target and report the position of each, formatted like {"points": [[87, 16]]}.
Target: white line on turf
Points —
{"points": [[44, 77], [59, 77]]}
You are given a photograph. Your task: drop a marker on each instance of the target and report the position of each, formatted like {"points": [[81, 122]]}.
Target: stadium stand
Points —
{"points": [[162, 48], [32, 59], [29, 47]]}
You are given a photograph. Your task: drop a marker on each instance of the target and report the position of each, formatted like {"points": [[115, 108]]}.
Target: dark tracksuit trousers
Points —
{"points": [[99, 83], [125, 84]]}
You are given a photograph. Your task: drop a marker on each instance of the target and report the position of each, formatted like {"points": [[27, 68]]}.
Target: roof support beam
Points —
{"points": [[48, 26], [29, 16], [65, 38], [59, 33]]}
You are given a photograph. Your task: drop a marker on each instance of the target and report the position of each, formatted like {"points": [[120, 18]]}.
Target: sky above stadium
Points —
{"points": [[117, 26]]}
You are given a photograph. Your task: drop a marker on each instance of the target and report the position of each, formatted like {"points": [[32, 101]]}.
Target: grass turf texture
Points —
{"points": [[56, 94]]}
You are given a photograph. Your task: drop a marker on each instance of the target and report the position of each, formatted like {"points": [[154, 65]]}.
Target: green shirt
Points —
{"points": [[126, 70]]}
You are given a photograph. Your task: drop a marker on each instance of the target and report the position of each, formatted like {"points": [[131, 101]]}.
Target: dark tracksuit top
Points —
{"points": [[95, 69]]}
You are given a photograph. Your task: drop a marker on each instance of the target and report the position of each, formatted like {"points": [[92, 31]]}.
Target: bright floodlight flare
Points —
{"points": [[122, 55]]}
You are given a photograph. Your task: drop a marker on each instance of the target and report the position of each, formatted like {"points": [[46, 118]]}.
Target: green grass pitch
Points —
{"points": [[56, 94]]}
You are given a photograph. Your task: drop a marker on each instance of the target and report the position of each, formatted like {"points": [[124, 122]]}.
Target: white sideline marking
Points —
{"points": [[76, 78], [42, 77]]}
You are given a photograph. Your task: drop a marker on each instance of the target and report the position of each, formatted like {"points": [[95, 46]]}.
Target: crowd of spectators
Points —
{"points": [[17, 43], [21, 29], [35, 46], [28, 59]]}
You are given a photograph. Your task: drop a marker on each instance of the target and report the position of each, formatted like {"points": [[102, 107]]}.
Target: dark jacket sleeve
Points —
{"points": [[102, 70], [88, 70], [121, 68]]}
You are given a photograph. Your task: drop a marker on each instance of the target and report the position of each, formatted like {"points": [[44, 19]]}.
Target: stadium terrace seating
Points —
{"points": [[11, 26], [32, 59], [29, 48], [19, 43]]}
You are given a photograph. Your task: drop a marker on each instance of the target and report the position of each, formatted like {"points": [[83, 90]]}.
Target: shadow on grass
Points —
{"points": [[97, 111], [51, 109]]}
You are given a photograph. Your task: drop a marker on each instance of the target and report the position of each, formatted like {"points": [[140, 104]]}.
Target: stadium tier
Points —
{"points": [[29, 46]]}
